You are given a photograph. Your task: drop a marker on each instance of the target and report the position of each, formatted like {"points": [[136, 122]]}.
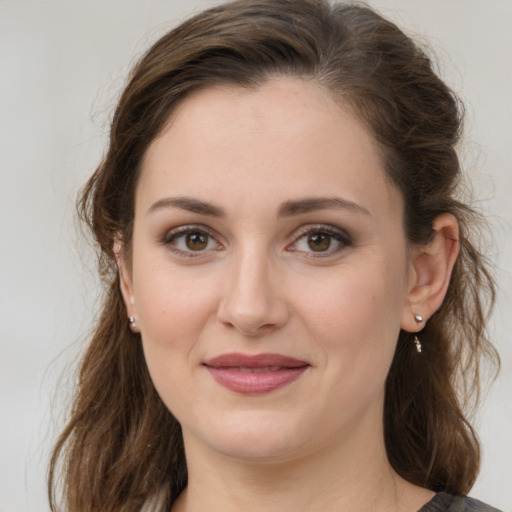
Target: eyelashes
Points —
{"points": [[312, 241]]}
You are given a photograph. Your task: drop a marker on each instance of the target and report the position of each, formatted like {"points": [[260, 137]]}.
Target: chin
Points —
{"points": [[255, 437]]}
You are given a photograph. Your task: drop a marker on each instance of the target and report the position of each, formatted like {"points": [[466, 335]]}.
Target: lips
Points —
{"points": [[255, 374]]}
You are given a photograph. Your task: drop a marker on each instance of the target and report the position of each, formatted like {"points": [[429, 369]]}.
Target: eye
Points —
{"points": [[322, 240], [319, 242], [195, 241], [187, 240]]}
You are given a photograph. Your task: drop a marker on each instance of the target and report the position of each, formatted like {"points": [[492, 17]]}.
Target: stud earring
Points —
{"points": [[133, 324], [417, 343], [418, 318]]}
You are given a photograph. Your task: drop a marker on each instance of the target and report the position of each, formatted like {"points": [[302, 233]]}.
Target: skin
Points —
{"points": [[259, 286]]}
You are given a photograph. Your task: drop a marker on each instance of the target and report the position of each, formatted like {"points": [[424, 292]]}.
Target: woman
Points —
{"points": [[295, 310]]}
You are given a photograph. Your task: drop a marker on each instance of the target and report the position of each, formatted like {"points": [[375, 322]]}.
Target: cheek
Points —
{"points": [[172, 318], [172, 310], [354, 315], [355, 300], [170, 315]]}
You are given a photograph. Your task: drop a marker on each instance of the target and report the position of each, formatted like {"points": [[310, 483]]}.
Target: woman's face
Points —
{"points": [[269, 272]]}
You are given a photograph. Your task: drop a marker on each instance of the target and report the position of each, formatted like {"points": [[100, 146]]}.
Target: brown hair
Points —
{"points": [[121, 447]]}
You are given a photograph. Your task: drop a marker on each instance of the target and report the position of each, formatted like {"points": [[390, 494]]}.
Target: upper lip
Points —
{"points": [[237, 360]]}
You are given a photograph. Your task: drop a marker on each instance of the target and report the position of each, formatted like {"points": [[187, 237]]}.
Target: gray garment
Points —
{"points": [[443, 502]]}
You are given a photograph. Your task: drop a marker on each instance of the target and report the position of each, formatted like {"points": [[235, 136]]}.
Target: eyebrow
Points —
{"points": [[189, 204], [287, 209], [311, 204]]}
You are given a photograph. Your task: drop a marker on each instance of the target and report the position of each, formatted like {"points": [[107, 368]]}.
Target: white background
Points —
{"points": [[62, 64]]}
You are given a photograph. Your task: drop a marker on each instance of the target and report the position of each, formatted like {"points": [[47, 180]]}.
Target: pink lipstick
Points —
{"points": [[255, 374]]}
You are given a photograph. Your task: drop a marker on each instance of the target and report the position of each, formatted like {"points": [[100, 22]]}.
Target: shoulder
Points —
{"points": [[443, 502]]}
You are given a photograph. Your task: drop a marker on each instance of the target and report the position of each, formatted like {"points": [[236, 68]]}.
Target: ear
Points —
{"points": [[431, 268], [125, 278]]}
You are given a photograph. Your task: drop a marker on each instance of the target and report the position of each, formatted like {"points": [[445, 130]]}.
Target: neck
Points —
{"points": [[355, 476]]}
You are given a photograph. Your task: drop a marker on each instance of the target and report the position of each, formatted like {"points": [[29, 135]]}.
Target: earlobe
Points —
{"points": [[431, 270], [125, 279]]}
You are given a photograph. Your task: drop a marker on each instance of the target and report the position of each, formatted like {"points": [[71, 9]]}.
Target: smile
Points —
{"points": [[255, 374]]}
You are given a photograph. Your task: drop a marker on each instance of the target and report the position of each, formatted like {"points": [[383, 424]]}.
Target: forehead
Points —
{"points": [[287, 135]]}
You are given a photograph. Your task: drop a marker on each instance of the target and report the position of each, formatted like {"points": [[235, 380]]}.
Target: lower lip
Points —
{"points": [[257, 382]]}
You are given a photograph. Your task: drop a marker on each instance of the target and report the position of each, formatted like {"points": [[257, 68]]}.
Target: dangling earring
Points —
{"points": [[419, 320], [133, 324]]}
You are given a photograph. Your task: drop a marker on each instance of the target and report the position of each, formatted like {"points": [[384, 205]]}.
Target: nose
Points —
{"points": [[253, 300]]}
